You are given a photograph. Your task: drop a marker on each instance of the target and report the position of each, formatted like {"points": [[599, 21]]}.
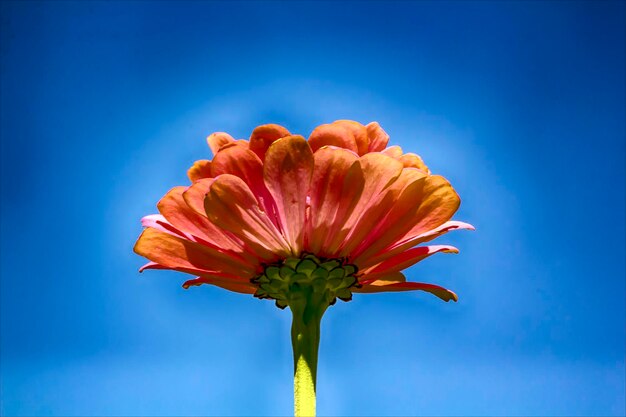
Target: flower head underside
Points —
{"points": [[340, 211]]}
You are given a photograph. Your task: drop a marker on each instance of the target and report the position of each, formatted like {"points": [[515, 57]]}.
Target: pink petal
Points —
{"points": [[231, 206], [245, 164], [336, 186], [408, 258], [178, 213], [288, 169], [379, 172]]}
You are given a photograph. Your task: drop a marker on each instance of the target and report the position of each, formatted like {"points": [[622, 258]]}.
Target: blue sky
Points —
{"points": [[521, 105]]}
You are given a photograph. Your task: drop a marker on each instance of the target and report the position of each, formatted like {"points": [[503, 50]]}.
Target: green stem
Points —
{"points": [[308, 308]]}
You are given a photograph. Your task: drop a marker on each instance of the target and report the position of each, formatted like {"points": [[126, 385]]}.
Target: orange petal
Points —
{"points": [[407, 258], [194, 195], [231, 206], [176, 211], [152, 265], [393, 151], [217, 140], [199, 169], [332, 135], [245, 164], [378, 138], [359, 132], [240, 287], [385, 219], [336, 186], [287, 172], [195, 271], [436, 204], [180, 254], [379, 172], [411, 160], [445, 294], [263, 136]]}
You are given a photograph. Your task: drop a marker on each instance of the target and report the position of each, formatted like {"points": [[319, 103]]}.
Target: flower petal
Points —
{"points": [[336, 186], [175, 210], [378, 138], [195, 271], [379, 172], [217, 140], [359, 132], [393, 151], [407, 258], [287, 172], [263, 136], [438, 231], [386, 219], [245, 164], [231, 206], [199, 169], [152, 265], [436, 204], [382, 286], [180, 254], [158, 222], [194, 195], [240, 287], [332, 135], [411, 160]]}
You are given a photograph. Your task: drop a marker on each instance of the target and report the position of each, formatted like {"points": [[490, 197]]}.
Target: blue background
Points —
{"points": [[521, 105]]}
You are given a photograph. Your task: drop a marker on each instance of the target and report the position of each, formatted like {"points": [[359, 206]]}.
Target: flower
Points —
{"points": [[272, 200], [304, 222]]}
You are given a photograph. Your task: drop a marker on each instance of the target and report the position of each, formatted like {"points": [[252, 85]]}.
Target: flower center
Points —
{"points": [[286, 281]]}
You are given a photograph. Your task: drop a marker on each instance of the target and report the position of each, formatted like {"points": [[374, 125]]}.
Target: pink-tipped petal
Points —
{"points": [[159, 222], [408, 258], [178, 213]]}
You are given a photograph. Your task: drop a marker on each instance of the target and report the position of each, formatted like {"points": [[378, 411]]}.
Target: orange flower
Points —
{"points": [[303, 223], [356, 210]]}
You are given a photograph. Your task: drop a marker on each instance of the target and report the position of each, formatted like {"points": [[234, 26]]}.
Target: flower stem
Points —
{"points": [[308, 307]]}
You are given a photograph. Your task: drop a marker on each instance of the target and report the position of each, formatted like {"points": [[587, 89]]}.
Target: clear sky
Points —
{"points": [[521, 105]]}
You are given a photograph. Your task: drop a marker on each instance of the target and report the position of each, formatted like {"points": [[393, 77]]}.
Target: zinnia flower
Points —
{"points": [[304, 222]]}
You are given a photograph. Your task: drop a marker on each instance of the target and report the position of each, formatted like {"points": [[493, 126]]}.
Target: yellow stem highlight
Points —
{"points": [[308, 308]]}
